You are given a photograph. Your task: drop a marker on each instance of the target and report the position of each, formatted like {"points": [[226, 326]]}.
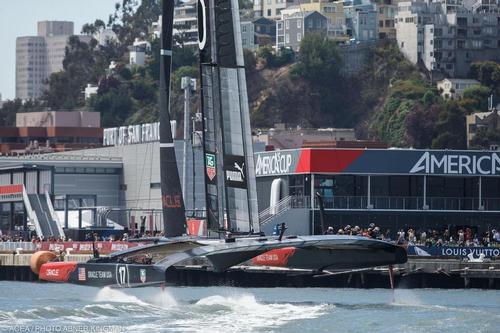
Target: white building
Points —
{"points": [[90, 90], [138, 52], [39, 56], [453, 88]]}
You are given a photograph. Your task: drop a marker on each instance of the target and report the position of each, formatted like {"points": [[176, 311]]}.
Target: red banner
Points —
{"points": [[86, 247], [11, 192]]}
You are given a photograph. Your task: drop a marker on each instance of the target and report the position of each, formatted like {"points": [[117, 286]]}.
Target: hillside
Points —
{"points": [[390, 100]]}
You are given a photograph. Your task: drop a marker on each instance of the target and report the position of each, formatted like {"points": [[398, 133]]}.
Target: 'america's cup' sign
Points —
{"points": [[462, 164], [378, 162], [277, 163]]}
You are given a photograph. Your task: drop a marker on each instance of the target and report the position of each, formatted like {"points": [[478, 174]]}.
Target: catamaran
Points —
{"points": [[230, 186]]}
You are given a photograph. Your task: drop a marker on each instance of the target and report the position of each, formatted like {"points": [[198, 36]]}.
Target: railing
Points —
{"points": [[13, 246], [269, 213], [411, 203], [53, 214], [282, 206]]}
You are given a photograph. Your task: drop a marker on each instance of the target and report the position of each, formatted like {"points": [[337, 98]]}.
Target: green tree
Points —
{"points": [[115, 106], [420, 125], [318, 60], [484, 137], [450, 128], [486, 72], [65, 87], [475, 99]]}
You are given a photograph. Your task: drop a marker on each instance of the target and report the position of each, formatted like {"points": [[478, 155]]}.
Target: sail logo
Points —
{"points": [[457, 164], [210, 166], [172, 201], [143, 275], [235, 172], [237, 175]]}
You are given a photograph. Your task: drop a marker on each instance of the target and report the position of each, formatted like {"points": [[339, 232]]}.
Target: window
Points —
{"points": [[244, 28], [299, 24], [280, 25], [287, 38], [299, 37], [269, 12], [287, 24], [244, 41]]}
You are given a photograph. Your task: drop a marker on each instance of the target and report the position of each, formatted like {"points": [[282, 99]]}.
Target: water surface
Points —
{"points": [[43, 307]]}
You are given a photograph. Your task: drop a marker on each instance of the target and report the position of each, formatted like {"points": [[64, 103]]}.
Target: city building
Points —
{"points": [[392, 188], [186, 23], [271, 9], [334, 12], [361, 20], [138, 52], [117, 186], [280, 137], [247, 35], [265, 31], [51, 131], [39, 56], [292, 28], [445, 37], [482, 120], [387, 10], [453, 88]]}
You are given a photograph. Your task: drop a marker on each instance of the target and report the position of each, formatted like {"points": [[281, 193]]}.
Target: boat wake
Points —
{"points": [[225, 309]]}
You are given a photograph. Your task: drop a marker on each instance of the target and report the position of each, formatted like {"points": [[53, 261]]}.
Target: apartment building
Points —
{"points": [[271, 9], [186, 24], [265, 31], [361, 20], [447, 36], [39, 56], [387, 10], [333, 11], [292, 28]]}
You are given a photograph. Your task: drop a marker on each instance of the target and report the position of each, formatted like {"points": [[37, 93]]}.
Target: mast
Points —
{"points": [[174, 216], [229, 163]]}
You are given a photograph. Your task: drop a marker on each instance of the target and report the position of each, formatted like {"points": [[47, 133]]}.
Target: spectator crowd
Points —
{"points": [[427, 237]]}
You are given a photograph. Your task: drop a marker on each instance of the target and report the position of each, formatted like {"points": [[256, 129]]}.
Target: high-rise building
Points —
{"points": [[447, 36], [39, 56]]}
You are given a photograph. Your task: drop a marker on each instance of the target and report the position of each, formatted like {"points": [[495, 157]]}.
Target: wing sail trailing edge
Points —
{"points": [[229, 166]]}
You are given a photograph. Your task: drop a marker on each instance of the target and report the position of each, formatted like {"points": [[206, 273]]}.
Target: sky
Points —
{"points": [[20, 17]]}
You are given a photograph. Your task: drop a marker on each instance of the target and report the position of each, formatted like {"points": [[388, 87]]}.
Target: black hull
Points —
{"points": [[116, 275]]}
